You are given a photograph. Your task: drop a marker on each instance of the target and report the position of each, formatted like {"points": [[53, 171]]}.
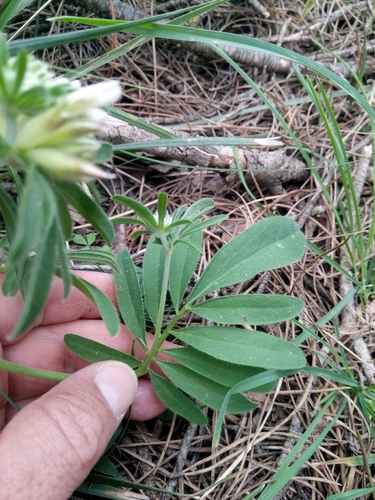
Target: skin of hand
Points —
{"points": [[49, 447]]}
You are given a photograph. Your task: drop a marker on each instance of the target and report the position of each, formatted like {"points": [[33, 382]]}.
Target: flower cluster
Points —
{"points": [[48, 121]]}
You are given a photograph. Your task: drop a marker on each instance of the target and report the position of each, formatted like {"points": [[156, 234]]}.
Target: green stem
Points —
{"points": [[31, 372], [156, 346]]}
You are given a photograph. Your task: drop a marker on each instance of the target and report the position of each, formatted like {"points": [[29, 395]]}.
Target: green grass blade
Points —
{"points": [[287, 471], [196, 142], [140, 123], [140, 40], [267, 377], [7, 11], [352, 494], [214, 38]]}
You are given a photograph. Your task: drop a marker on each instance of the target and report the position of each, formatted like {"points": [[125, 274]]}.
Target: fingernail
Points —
{"points": [[118, 384]]}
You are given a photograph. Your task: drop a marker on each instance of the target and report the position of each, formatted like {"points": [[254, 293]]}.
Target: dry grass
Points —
{"points": [[166, 84]]}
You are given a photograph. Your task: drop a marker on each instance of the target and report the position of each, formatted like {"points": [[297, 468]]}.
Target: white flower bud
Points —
{"points": [[66, 166]]}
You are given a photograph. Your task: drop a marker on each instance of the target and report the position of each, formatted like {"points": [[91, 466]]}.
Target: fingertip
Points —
{"points": [[118, 384]]}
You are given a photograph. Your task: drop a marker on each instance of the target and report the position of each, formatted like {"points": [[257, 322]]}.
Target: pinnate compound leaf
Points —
{"points": [[243, 347], [88, 208], [153, 270], [176, 401], [93, 351], [183, 263], [203, 389], [37, 283], [222, 372], [249, 309], [143, 212], [106, 308], [269, 244], [129, 296]]}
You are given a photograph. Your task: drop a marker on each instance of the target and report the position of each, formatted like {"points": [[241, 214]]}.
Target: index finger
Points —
{"points": [[57, 310]]}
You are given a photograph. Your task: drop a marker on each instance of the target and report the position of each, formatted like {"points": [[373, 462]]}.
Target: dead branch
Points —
{"points": [[122, 10], [181, 458], [247, 57], [269, 168]]}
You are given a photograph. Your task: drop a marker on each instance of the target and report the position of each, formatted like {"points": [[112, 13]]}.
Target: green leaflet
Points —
{"points": [[199, 208], [129, 296], [106, 308], [64, 216], [203, 389], [153, 269], [63, 258], [37, 283], [249, 348], [143, 212], [98, 256], [36, 213], [183, 263], [249, 309], [199, 226], [222, 372], [94, 351], [88, 208], [176, 401], [268, 244], [9, 210], [162, 208]]}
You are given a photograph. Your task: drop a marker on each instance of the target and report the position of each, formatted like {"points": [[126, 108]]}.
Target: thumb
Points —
{"points": [[51, 445]]}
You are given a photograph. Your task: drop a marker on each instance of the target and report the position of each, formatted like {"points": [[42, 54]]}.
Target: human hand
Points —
{"points": [[50, 446]]}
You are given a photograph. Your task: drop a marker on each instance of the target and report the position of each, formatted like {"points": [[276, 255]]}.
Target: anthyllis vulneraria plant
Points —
{"points": [[47, 143]]}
